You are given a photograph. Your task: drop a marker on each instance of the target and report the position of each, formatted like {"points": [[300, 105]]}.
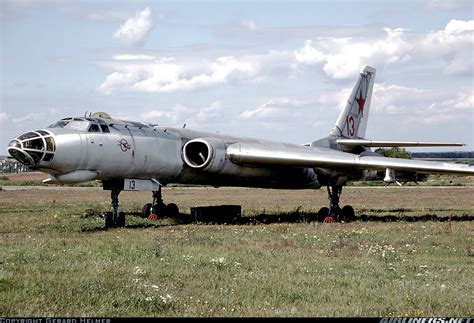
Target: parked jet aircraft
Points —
{"points": [[136, 156]]}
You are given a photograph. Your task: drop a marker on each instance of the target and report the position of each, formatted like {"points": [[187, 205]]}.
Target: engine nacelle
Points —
{"points": [[207, 154]]}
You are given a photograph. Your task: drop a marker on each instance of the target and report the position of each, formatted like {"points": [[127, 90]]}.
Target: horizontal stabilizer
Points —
{"points": [[390, 143]]}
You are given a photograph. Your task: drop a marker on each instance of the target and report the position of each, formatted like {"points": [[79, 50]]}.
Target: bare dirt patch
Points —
{"points": [[33, 176]]}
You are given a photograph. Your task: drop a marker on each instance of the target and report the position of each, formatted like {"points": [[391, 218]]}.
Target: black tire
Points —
{"points": [[121, 220], [146, 211], [347, 214], [322, 214], [109, 220], [172, 210]]}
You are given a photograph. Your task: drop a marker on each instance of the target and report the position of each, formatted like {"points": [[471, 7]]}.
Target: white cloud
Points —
{"points": [[390, 98], [420, 106], [211, 113], [459, 26], [342, 58], [339, 58], [4, 117], [249, 24], [129, 57], [133, 75], [308, 54], [454, 44], [335, 99], [179, 114], [136, 29], [399, 105], [167, 75], [168, 117], [28, 117], [282, 108]]}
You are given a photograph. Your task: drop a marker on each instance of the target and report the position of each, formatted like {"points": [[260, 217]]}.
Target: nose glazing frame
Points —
{"points": [[33, 147]]}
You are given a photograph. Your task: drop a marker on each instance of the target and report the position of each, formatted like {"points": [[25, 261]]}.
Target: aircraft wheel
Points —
{"points": [[172, 210], [146, 211], [121, 220], [347, 214], [322, 214], [109, 220]]}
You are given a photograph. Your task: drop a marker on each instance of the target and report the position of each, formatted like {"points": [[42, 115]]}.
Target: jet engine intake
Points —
{"points": [[208, 154]]}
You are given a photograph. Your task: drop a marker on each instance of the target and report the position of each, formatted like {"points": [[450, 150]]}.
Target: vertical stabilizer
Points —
{"points": [[352, 122]]}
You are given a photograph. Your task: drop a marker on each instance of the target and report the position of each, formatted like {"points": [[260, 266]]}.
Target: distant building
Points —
{"points": [[10, 165]]}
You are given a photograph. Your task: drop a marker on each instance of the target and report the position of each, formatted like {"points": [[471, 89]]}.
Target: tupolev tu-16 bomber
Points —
{"points": [[138, 156]]}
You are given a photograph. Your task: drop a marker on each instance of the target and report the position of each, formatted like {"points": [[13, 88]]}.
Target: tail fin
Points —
{"points": [[352, 122]]}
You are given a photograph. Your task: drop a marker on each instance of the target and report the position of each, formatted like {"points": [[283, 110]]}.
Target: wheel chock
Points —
{"points": [[153, 217], [329, 219]]}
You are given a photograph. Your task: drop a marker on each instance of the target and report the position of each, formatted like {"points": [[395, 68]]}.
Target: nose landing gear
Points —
{"points": [[115, 218]]}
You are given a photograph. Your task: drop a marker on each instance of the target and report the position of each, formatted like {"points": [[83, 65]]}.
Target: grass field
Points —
{"points": [[56, 262]]}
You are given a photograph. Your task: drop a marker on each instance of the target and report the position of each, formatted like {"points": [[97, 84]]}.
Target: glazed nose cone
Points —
{"points": [[32, 147]]}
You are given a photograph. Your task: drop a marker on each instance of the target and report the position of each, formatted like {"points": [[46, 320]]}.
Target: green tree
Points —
{"points": [[394, 152], [397, 152]]}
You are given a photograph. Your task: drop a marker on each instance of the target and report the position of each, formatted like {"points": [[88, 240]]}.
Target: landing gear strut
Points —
{"points": [[159, 208], [346, 214], [114, 218]]}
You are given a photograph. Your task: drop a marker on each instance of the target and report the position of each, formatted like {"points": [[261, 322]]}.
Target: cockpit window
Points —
{"points": [[94, 128], [59, 124], [42, 132], [104, 128], [81, 125]]}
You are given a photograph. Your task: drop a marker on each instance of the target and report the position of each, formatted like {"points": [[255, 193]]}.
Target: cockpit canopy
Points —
{"points": [[82, 124]]}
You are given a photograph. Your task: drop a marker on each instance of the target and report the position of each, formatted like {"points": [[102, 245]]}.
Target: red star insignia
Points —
{"points": [[360, 102]]}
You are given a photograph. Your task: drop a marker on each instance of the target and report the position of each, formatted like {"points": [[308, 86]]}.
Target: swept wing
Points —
{"points": [[301, 156]]}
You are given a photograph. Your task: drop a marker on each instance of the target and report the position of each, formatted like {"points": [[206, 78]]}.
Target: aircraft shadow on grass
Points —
{"points": [[281, 217]]}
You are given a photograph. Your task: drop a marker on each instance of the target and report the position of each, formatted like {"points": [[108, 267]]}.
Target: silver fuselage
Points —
{"points": [[133, 150]]}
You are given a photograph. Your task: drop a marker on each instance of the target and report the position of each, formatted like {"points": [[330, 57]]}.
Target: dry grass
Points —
{"points": [[54, 262]]}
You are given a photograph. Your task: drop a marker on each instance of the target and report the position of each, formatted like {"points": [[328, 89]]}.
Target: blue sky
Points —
{"points": [[270, 69]]}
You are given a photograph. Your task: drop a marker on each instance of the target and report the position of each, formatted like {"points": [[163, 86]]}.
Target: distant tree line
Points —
{"points": [[397, 152], [403, 153], [394, 152], [447, 154]]}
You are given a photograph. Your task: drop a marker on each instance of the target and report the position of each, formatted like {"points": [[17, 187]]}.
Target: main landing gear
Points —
{"points": [[157, 209], [334, 213]]}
